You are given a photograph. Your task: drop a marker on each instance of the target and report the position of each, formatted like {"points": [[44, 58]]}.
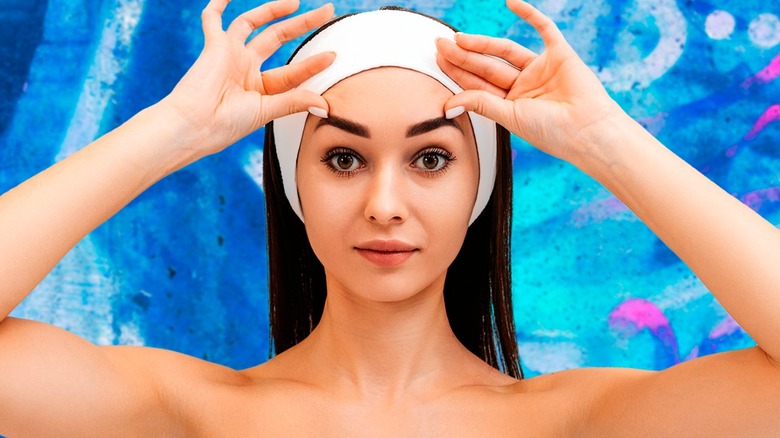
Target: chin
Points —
{"points": [[390, 290]]}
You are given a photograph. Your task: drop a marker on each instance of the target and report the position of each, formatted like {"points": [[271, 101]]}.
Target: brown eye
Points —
{"points": [[433, 161], [344, 162], [430, 161]]}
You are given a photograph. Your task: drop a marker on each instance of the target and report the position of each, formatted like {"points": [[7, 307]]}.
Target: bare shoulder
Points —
{"points": [[171, 368], [89, 390], [736, 393], [184, 386], [562, 403]]}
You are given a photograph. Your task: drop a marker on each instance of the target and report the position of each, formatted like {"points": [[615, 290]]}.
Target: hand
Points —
{"points": [[224, 96], [553, 100]]}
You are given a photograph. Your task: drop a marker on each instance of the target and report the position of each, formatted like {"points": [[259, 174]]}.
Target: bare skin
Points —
{"points": [[354, 376]]}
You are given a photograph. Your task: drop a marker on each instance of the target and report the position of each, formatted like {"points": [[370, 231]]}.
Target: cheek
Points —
{"points": [[446, 217], [328, 211]]}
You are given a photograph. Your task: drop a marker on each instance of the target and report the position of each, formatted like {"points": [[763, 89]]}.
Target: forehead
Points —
{"points": [[389, 89]]}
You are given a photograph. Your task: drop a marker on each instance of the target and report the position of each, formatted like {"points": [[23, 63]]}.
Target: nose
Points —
{"points": [[387, 198]]}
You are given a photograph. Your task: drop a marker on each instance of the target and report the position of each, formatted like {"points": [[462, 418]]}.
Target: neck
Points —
{"points": [[386, 349]]}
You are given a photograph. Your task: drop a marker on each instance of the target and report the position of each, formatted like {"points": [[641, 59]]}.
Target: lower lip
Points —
{"points": [[385, 258]]}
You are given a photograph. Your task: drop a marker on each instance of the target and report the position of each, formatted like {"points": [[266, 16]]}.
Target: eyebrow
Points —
{"points": [[430, 125], [345, 125], [356, 128]]}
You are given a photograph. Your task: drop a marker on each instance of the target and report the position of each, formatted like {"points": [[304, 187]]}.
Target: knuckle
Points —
{"points": [[505, 47], [489, 72], [280, 34], [244, 23]]}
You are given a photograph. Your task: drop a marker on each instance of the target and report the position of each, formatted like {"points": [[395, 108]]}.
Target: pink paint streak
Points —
{"points": [[640, 313], [766, 74], [772, 114]]}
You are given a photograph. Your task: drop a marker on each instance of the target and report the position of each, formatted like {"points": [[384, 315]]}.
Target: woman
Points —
{"points": [[383, 358]]}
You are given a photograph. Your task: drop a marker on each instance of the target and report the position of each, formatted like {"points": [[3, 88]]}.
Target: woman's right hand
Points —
{"points": [[224, 96]]}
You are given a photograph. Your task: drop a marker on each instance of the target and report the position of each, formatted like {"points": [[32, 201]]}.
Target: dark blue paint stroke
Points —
{"points": [[21, 30], [609, 26]]}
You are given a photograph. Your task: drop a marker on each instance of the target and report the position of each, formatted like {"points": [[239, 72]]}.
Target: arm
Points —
{"points": [[47, 373], [557, 104]]}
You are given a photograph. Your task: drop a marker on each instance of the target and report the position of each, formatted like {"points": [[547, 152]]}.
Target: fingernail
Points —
{"points": [[318, 112], [454, 112]]}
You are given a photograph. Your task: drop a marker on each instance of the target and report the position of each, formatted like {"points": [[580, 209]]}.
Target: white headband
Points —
{"points": [[384, 38]]}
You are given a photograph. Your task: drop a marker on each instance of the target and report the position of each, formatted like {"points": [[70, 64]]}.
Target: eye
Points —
{"points": [[433, 160], [342, 161]]}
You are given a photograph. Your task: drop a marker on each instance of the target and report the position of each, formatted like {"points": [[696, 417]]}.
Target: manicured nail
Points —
{"points": [[319, 112], [454, 112]]}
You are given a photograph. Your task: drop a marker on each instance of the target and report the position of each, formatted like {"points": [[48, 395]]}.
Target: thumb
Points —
{"points": [[486, 104], [294, 101]]}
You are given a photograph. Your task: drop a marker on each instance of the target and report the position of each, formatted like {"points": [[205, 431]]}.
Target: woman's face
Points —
{"points": [[387, 184]]}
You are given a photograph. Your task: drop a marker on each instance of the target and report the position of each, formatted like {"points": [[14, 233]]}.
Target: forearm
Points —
{"points": [[44, 217], [732, 249]]}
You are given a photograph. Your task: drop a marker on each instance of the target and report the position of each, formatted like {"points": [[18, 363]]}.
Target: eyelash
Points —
{"points": [[327, 160], [448, 159], [335, 152]]}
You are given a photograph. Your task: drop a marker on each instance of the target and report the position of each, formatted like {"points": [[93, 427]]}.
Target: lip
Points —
{"points": [[386, 253]]}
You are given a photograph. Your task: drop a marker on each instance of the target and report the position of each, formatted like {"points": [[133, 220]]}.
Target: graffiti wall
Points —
{"points": [[183, 266]]}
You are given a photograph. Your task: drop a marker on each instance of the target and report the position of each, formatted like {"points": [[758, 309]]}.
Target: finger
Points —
{"points": [[547, 29], [211, 17], [247, 22], [291, 102], [483, 103], [466, 79], [290, 76], [277, 34], [493, 70], [503, 48]]}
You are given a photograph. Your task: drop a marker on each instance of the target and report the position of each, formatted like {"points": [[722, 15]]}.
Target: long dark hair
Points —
{"points": [[477, 289]]}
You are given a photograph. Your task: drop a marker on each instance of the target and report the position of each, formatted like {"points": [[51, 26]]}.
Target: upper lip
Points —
{"points": [[386, 246]]}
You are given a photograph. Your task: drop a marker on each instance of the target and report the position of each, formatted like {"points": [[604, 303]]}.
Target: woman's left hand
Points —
{"points": [[552, 100]]}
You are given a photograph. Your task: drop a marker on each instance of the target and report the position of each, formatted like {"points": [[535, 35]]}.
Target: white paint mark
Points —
{"points": [[130, 334], [551, 357], [253, 166], [628, 73], [764, 31], [77, 295], [552, 7], [111, 58], [719, 25], [678, 295], [543, 333]]}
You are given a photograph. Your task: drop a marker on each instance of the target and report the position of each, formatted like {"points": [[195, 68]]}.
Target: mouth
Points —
{"points": [[386, 253]]}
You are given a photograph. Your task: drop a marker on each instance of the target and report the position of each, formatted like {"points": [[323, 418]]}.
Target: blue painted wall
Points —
{"points": [[183, 266]]}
